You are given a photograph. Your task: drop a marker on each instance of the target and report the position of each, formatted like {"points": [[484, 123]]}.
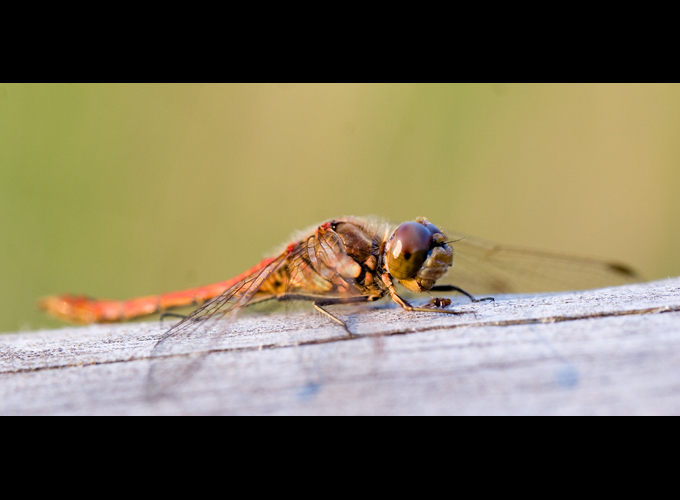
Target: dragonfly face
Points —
{"points": [[417, 255]]}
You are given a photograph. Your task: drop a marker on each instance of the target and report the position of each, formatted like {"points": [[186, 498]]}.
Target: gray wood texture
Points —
{"points": [[613, 351]]}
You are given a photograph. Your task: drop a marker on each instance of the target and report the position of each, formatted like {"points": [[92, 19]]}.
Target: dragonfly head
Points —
{"points": [[417, 254]]}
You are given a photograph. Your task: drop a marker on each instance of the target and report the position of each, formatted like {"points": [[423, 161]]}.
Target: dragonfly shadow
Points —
{"points": [[178, 355]]}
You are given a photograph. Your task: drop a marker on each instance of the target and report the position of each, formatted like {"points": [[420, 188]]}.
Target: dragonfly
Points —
{"points": [[353, 260]]}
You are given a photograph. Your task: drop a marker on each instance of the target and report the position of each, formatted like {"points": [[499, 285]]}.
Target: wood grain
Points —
{"points": [[613, 351]]}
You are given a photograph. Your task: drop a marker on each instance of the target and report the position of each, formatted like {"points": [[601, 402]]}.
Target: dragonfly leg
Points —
{"points": [[185, 316], [320, 303], [172, 315], [452, 288], [438, 303]]}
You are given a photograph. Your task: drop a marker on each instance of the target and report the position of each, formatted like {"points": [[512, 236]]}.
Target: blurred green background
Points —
{"points": [[124, 190]]}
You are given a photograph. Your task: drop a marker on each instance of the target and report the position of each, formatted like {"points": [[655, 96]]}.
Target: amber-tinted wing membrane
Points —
{"points": [[481, 267]]}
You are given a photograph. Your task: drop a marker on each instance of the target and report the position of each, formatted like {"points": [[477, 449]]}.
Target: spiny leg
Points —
{"points": [[172, 315], [320, 303], [453, 288], [408, 307], [185, 316], [317, 302]]}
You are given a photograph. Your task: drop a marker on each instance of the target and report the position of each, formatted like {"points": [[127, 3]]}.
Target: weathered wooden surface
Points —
{"points": [[611, 351]]}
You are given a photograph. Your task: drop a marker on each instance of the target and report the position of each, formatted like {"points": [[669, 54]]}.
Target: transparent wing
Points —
{"points": [[481, 267], [198, 334], [310, 269]]}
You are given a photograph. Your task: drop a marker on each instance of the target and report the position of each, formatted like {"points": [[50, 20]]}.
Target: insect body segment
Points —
{"points": [[352, 260], [84, 310]]}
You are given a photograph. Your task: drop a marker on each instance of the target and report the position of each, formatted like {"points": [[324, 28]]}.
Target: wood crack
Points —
{"points": [[344, 337]]}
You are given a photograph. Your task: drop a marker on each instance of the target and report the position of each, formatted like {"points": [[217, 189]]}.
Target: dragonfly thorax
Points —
{"points": [[417, 255]]}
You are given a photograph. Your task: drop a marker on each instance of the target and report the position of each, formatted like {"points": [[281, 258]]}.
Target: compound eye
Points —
{"points": [[433, 229], [408, 250]]}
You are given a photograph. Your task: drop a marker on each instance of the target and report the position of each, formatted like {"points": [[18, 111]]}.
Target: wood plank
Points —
{"points": [[613, 351]]}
